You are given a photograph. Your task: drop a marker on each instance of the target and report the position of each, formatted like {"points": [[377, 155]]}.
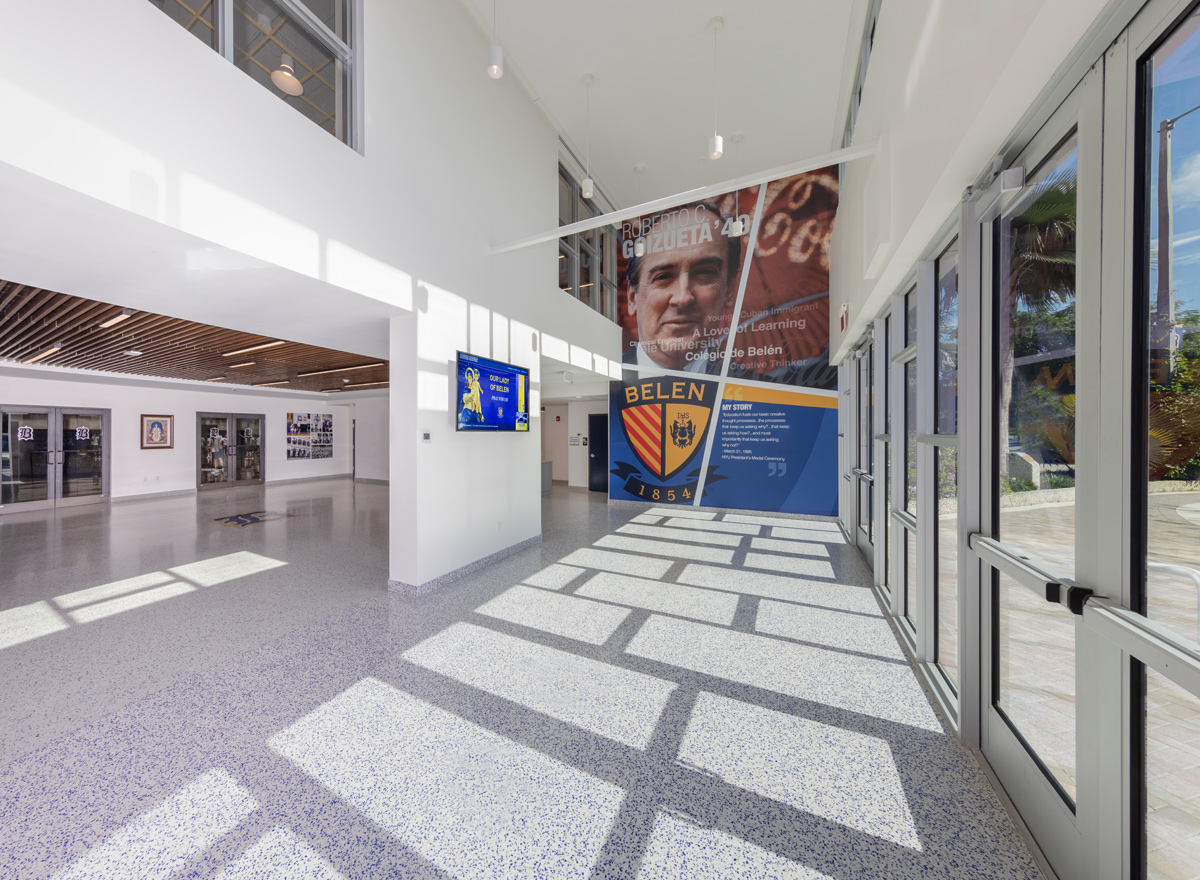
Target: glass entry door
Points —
{"points": [[52, 457], [864, 472], [230, 447], [1040, 249]]}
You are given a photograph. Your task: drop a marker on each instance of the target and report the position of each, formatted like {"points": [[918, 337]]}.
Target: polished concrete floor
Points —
{"points": [[647, 693]]}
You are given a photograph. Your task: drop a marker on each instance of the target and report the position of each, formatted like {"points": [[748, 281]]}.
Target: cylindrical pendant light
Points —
{"points": [[716, 144], [587, 187], [495, 67]]}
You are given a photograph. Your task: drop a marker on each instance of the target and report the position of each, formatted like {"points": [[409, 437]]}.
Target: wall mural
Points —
{"points": [[309, 435], [728, 395]]}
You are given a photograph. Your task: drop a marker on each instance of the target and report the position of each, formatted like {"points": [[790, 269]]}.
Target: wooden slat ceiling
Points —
{"points": [[32, 321]]}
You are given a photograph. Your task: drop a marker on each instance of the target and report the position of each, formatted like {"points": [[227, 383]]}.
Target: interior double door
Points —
{"points": [[230, 449], [52, 457]]}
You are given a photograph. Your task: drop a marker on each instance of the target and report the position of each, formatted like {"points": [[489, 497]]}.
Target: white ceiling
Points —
{"points": [[786, 69]]}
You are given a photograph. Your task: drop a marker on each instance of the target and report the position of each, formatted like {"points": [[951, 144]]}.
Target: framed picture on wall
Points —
{"points": [[158, 432]]}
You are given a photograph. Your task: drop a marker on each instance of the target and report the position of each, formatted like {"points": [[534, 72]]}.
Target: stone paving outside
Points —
{"points": [[1038, 672]]}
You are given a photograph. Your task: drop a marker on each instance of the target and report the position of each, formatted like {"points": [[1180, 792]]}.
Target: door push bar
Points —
{"points": [[1060, 591]]}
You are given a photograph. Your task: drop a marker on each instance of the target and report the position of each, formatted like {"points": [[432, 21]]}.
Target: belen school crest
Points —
{"points": [[665, 420]]}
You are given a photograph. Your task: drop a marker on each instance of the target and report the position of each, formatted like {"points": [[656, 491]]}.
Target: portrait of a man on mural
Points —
{"points": [[679, 299], [680, 290]]}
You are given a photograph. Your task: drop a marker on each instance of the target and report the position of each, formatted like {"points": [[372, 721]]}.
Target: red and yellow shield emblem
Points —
{"points": [[665, 436]]}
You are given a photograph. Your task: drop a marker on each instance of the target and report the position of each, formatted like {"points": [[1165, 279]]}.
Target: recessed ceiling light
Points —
{"points": [[51, 350], [118, 318], [246, 364], [342, 369], [215, 379], [264, 384], [131, 352], [251, 348]]}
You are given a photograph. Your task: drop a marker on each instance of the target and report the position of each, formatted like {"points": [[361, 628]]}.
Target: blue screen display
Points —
{"points": [[492, 396]]}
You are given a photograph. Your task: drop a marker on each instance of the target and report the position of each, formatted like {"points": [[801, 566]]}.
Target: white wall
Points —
{"points": [[554, 438], [371, 420], [137, 471], [577, 426], [948, 82], [138, 194]]}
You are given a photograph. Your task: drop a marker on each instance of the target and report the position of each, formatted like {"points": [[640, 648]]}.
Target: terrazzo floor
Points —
{"points": [[648, 693]]}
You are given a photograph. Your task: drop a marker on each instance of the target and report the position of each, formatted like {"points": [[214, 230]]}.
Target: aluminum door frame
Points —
{"points": [[232, 430], [105, 455], [54, 455], [51, 472], [1063, 835]]}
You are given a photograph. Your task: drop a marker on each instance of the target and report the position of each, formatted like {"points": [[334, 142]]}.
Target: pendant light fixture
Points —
{"points": [[716, 144], [586, 188], [737, 228], [639, 243], [284, 77], [495, 54]]}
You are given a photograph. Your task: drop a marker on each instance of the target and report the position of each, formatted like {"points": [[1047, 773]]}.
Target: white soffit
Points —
{"points": [[782, 66]]}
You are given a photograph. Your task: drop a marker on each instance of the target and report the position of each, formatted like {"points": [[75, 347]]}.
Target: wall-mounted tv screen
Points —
{"points": [[492, 396]]}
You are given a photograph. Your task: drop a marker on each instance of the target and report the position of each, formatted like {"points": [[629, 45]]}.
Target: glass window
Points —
{"points": [[946, 560], [608, 302], [1036, 676], [887, 386], [566, 200], [297, 59], [865, 410], [82, 455], [249, 449], [910, 575], [887, 458], [586, 212], [214, 460], [1172, 403], [946, 400], [1035, 415], [587, 276], [267, 40], [887, 513], [24, 468], [566, 263], [198, 17], [608, 253], [910, 318], [1172, 780], [910, 436]]}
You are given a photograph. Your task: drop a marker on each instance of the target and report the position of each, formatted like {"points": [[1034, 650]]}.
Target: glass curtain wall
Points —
{"points": [[884, 575], [1035, 319], [906, 401], [945, 533], [299, 50], [1065, 627], [587, 261], [1170, 428]]}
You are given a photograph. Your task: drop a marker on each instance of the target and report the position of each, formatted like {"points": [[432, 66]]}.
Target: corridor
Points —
{"points": [[667, 693]]}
